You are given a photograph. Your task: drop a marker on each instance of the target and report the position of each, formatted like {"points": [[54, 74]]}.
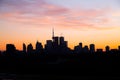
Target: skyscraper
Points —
{"points": [[119, 48], [56, 41], [24, 47], [10, 48], [107, 49], [78, 49], [92, 48], [49, 46], [39, 47], [80, 44], [86, 49], [61, 41], [30, 48]]}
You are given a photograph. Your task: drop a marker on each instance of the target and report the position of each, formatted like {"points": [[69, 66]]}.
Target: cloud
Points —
{"points": [[42, 12]]}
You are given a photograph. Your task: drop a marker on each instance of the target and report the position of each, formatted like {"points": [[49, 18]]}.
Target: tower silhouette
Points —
{"points": [[53, 34], [24, 48]]}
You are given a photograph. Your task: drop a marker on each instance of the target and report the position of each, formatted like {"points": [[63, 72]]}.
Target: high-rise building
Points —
{"points": [[99, 50], [56, 41], [39, 47], [78, 49], [61, 42], [0, 53], [107, 48], [49, 45], [86, 49], [24, 47], [10, 48], [66, 44], [119, 48], [92, 48], [80, 45], [30, 48]]}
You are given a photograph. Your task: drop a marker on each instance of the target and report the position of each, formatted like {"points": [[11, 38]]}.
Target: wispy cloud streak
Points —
{"points": [[42, 12]]}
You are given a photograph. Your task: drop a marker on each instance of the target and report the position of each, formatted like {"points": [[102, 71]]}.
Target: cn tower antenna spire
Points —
{"points": [[53, 33]]}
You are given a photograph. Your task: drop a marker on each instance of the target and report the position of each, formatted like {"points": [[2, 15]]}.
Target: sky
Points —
{"points": [[87, 21]]}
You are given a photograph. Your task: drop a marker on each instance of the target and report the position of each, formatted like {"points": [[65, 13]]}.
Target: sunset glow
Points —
{"points": [[86, 21]]}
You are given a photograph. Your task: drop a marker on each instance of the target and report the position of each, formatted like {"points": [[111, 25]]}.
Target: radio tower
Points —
{"points": [[53, 33]]}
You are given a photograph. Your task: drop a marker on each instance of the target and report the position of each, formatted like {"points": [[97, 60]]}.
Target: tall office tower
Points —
{"points": [[107, 48], [10, 48], [24, 47], [61, 41], [80, 48], [49, 46], [56, 42], [76, 49], [66, 44], [92, 48], [118, 48], [39, 47], [80, 45], [49, 43], [30, 48], [0, 52], [86, 49]]}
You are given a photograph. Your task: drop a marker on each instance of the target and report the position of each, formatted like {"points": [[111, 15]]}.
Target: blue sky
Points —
{"points": [[87, 3]]}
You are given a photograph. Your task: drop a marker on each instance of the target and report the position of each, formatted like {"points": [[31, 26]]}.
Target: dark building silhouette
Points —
{"points": [[10, 48], [29, 48], [119, 48], [107, 48], [56, 42], [78, 49], [39, 47], [49, 46], [63, 43], [113, 51], [92, 48], [99, 51], [61, 40], [24, 48], [86, 49], [80, 44], [0, 52], [56, 51]]}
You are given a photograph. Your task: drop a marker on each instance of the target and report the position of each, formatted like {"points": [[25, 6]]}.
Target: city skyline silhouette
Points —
{"points": [[59, 38]]}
